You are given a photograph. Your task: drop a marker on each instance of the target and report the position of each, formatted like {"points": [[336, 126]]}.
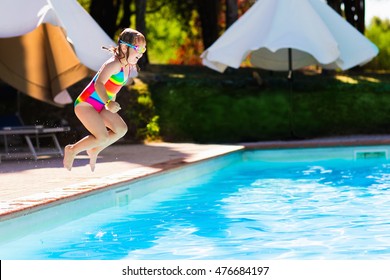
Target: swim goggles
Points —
{"points": [[138, 49]]}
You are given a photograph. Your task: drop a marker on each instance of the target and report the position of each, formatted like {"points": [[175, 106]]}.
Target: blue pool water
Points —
{"points": [[250, 208]]}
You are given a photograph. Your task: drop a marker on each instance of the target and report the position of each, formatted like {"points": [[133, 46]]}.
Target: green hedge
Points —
{"points": [[208, 110], [195, 104]]}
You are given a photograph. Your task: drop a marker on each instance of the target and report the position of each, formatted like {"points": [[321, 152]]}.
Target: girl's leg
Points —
{"points": [[118, 129], [94, 123]]}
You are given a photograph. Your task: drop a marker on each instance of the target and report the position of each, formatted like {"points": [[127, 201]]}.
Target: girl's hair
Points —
{"points": [[130, 36]]}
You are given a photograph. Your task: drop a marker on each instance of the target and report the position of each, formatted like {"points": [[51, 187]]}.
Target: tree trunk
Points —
{"points": [[105, 14], [336, 5], [208, 12], [354, 13], [231, 12], [141, 26], [125, 21]]}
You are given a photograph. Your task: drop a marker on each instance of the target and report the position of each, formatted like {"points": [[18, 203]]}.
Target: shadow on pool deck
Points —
{"points": [[26, 184]]}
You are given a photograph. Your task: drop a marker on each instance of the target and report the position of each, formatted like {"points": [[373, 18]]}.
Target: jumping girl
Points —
{"points": [[96, 107]]}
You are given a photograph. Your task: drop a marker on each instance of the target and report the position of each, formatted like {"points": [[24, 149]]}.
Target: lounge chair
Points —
{"points": [[13, 125]]}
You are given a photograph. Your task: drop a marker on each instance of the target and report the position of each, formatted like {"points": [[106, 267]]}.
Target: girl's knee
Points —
{"points": [[103, 138], [122, 130]]}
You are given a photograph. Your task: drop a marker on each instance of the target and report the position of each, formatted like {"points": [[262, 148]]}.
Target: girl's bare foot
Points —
{"points": [[69, 156], [92, 158]]}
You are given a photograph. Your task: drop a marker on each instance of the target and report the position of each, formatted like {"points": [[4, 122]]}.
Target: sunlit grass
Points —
{"points": [[346, 79], [178, 76], [369, 79]]}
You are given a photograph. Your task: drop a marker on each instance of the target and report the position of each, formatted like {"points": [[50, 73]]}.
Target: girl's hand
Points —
{"points": [[113, 106]]}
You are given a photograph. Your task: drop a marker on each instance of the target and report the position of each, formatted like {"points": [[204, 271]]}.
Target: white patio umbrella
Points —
{"points": [[283, 35]]}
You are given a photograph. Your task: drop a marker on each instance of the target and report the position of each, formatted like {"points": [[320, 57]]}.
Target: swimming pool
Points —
{"points": [[319, 203]]}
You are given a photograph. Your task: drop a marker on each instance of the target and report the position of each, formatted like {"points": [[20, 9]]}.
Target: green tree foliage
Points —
{"points": [[175, 29], [205, 26], [166, 32], [379, 33]]}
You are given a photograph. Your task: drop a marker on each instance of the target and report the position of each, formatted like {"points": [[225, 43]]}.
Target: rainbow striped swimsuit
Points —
{"points": [[113, 85]]}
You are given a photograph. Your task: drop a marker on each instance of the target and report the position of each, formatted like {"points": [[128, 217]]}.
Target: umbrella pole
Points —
{"points": [[290, 71], [290, 83]]}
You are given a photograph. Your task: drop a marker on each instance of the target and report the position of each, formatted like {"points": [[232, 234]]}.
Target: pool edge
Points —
{"points": [[29, 204]]}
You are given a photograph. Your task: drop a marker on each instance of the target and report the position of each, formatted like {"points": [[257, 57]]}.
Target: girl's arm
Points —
{"points": [[110, 68]]}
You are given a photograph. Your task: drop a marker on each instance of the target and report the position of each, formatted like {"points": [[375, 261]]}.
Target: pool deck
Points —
{"points": [[27, 185]]}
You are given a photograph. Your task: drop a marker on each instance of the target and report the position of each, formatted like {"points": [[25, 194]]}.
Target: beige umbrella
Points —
{"points": [[41, 64]]}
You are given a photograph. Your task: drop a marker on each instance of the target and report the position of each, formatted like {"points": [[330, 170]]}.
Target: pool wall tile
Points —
{"points": [[308, 154]]}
